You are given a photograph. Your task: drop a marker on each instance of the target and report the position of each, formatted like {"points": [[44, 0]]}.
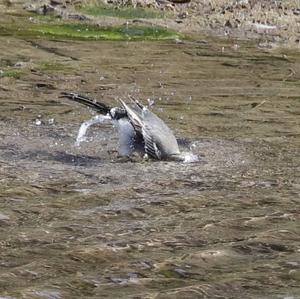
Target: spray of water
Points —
{"points": [[85, 125], [189, 157]]}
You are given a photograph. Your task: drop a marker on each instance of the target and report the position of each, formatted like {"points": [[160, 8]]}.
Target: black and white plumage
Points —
{"points": [[139, 128]]}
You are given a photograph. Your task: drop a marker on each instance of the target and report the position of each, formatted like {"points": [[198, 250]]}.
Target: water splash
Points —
{"points": [[190, 157], [85, 125], [38, 122]]}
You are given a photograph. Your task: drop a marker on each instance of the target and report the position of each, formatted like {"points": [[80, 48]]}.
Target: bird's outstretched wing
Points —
{"points": [[97, 106]]}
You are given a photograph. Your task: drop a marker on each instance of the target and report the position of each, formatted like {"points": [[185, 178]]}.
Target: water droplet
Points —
{"points": [[150, 102]]}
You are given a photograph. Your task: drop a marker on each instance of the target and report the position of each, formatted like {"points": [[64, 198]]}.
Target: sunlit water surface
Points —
{"points": [[81, 222]]}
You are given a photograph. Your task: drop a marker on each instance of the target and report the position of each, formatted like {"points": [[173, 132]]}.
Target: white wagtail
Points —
{"points": [[139, 128]]}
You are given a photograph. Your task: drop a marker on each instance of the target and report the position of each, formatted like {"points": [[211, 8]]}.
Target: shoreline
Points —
{"points": [[269, 23]]}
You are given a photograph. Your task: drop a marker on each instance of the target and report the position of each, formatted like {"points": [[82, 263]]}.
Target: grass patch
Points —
{"points": [[88, 32], [81, 31], [121, 12], [10, 74], [54, 67]]}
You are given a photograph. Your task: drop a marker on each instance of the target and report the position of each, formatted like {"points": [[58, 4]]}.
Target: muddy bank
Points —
{"points": [[271, 23]]}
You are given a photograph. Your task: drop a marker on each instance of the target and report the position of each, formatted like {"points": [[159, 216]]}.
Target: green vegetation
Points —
{"points": [[11, 74], [121, 12], [84, 31], [54, 67], [88, 31]]}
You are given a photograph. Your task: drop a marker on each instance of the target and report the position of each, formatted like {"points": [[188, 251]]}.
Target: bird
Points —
{"points": [[140, 130]]}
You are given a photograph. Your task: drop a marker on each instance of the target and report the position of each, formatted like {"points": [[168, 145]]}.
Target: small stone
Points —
{"points": [[180, 1], [228, 24], [56, 2], [183, 15], [20, 64]]}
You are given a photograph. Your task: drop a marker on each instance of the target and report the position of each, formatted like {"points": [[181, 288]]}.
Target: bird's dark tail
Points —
{"points": [[99, 107]]}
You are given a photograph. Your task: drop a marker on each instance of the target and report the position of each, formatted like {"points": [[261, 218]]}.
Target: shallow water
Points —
{"points": [[80, 222]]}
